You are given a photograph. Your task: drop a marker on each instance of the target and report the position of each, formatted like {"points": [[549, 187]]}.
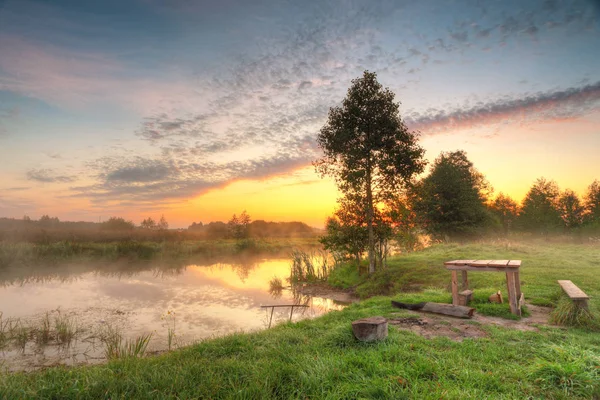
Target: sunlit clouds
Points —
{"points": [[199, 110]]}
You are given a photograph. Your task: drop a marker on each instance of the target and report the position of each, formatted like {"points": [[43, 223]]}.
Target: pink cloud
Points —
{"points": [[75, 79]]}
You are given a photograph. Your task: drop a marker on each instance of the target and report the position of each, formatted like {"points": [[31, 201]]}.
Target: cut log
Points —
{"points": [[370, 329], [438, 308]]}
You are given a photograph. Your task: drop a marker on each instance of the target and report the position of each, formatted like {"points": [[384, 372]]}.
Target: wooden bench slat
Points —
{"points": [[458, 262], [514, 263], [572, 291], [498, 263], [480, 263]]}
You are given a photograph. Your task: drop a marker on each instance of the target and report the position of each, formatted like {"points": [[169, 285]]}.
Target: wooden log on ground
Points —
{"points": [[370, 329], [438, 308]]}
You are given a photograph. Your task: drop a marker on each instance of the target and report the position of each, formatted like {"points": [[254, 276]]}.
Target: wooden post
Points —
{"points": [[512, 293], [455, 300], [291, 312], [271, 319], [465, 281], [517, 283]]}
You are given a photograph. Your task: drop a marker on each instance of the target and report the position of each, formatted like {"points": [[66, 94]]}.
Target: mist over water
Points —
{"points": [[197, 301]]}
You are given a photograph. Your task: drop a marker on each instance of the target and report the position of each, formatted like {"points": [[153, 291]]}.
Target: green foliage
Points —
{"points": [[148, 223], [368, 149], [238, 227], [539, 211], [116, 347], [450, 201], [346, 232], [307, 267], [320, 359], [571, 210], [569, 313], [117, 224], [506, 210], [592, 204]]}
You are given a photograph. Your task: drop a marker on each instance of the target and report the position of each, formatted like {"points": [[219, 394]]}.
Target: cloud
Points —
{"points": [[75, 79], [141, 171], [165, 177], [569, 103], [48, 176]]}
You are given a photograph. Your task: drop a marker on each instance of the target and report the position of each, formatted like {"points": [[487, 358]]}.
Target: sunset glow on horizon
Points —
{"points": [[198, 110]]}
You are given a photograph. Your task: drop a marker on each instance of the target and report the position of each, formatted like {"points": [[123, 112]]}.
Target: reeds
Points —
{"points": [[117, 348], [65, 329], [43, 332], [309, 267]]}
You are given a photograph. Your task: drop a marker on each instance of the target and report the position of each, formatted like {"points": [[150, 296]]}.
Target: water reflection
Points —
{"points": [[205, 299]]}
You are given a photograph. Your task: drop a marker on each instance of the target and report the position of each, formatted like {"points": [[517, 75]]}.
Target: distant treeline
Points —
{"points": [[257, 229], [50, 229]]}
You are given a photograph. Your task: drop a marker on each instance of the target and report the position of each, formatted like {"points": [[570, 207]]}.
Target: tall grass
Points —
{"points": [[309, 267], [42, 333], [171, 323], [116, 347], [65, 329], [569, 313]]}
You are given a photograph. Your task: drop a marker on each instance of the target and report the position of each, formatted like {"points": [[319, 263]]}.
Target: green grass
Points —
{"points": [[543, 264], [321, 359]]}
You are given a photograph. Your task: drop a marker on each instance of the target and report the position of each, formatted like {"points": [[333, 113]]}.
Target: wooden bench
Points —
{"points": [[574, 293]]}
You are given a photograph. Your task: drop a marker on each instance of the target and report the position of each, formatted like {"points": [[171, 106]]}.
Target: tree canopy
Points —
{"points": [[368, 149], [450, 201], [539, 210]]}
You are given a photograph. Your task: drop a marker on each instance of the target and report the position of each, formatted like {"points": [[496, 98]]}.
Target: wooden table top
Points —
{"points": [[485, 263]]}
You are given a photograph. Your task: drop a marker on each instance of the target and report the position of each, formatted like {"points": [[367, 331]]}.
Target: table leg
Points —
{"points": [[455, 288], [512, 293], [465, 281], [517, 283]]}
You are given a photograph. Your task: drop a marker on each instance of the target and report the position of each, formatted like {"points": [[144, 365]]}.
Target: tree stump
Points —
{"points": [[370, 329], [465, 297]]}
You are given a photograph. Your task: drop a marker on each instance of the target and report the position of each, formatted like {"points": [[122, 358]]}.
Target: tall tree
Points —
{"points": [[506, 210], [148, 223], [162, 225], [368, 149], [592, 203], [571, 210], [450, 201], [539, 211]]}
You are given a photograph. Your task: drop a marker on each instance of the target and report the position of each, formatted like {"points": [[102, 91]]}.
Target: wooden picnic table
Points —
{"points": [[510, 267]]}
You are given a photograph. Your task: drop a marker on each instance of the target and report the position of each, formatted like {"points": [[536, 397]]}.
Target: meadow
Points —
{"points": [[321, 359]]}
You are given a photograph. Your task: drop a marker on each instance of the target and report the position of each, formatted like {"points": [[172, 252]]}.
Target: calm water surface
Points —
{"points": [[197, 301]]}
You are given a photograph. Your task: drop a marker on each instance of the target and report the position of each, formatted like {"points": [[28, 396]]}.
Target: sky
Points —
{"points": [[201, 109]]}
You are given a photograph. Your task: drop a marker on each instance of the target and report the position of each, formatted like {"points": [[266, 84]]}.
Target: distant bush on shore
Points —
{"points": [[51, 230]]}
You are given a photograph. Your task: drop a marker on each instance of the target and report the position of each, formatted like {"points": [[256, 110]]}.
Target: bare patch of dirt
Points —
{"points": [[432, 325]]}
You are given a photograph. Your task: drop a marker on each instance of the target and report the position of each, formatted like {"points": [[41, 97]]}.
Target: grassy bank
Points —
{"points": [[321, 359], [543, 264], [27, 254]]}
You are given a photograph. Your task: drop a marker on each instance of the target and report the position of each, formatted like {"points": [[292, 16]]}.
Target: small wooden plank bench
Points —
{"points": [[574, 293]]}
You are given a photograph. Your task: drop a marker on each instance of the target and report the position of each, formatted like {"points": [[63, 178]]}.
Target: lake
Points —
{"points": [[193, 302]]}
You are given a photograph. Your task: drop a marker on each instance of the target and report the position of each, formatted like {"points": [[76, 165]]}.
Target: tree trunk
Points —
{"points": [[370, 220]]}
